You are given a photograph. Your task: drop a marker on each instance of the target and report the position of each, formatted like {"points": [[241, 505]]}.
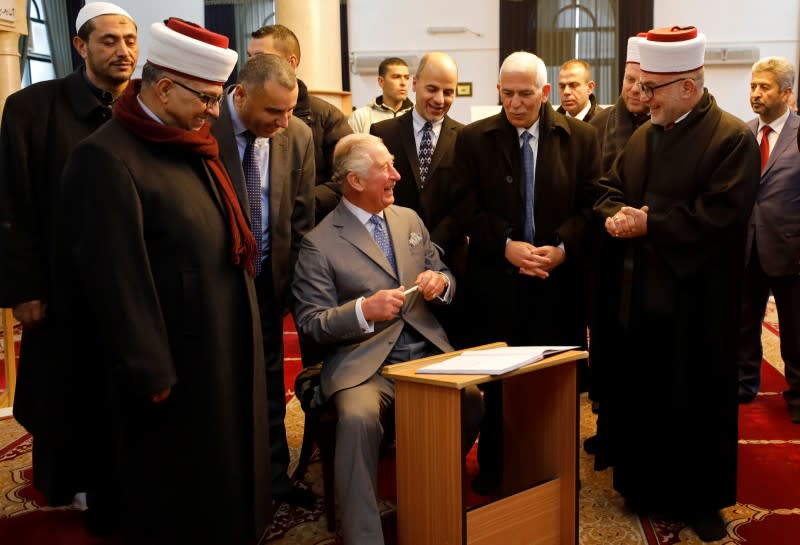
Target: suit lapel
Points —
{"points": [[229, 153], [409, 142], [279, 170], [446, 140], [398, 230], [356, 234], [785, 139]]}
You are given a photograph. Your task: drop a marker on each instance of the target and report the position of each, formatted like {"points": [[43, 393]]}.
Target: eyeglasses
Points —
{"points": [[210, 101], [649, 90]]}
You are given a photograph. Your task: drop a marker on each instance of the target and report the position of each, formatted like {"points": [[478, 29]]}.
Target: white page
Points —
{"points": [[492, 361]]}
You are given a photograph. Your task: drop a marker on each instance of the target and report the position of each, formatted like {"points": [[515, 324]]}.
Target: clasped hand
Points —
{"points": [[628, 222], [532, 260]]}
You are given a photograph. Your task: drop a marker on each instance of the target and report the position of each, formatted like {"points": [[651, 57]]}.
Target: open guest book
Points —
{"points": [[492, 361]]}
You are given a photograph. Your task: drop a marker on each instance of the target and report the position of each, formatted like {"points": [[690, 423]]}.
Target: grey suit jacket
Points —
{"points": [[291, 191], [339, 262], [775, 221]]}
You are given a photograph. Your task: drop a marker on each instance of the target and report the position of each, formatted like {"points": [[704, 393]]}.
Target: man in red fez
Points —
{"points": [[677, 200], [156, 258]]}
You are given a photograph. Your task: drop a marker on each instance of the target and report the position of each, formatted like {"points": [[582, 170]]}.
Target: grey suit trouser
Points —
{"points": [[358, 437]]}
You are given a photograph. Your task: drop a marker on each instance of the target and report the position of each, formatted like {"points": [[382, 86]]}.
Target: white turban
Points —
{"points": [[191, 50], [672, 50]]}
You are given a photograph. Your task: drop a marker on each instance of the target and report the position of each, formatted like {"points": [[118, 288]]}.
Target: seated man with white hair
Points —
{"points": [[350, 289]]}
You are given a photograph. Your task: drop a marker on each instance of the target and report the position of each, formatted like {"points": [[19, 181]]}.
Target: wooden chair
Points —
{"points": [[320, 429]]}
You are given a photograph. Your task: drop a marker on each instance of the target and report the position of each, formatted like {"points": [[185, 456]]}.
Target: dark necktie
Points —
{"points": [[425, 151], [527, 172], [252, 176], [382, 238], [765, 130]]}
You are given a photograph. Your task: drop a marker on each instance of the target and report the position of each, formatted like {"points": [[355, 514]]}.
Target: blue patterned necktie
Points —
{"points": [[527, 171], [425, 151], [382, 238], [253, 178]]}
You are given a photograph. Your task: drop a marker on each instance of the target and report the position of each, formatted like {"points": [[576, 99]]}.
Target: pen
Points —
{"points": [[410, 290]]}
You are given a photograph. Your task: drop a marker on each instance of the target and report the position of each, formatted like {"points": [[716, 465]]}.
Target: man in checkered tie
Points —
{"points": [[422, 143]]}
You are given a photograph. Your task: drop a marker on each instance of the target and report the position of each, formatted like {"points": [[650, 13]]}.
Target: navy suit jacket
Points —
{"points": [[775, 221]]}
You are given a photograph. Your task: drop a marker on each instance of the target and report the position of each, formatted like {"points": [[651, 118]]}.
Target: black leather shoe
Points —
{"points": [[591, 444], [100, 522], [709, 526], [298, 497], [636, 507], [485, 484]]}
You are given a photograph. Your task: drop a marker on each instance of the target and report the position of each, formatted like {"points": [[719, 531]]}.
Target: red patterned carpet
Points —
{"points": [[768, 512], [768, 488]]}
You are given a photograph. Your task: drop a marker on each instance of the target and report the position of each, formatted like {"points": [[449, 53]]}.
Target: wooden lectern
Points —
{"points": [[539, 501]]}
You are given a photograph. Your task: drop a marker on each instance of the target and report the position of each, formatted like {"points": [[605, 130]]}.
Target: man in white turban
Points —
{"points": [[677, 201], [156, 259]]}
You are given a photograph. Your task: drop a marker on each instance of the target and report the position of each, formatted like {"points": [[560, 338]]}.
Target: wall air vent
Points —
{"points": [[367, 63], [731, 55]]}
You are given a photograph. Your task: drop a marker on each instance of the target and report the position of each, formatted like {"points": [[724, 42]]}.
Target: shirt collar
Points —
{"points": [[362, 215], [236, 121], [102, 95], [583, 112], [776, 125], [533, 129], [148, 111], [420, 121]]}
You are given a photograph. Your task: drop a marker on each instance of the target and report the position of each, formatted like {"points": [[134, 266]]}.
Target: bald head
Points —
{"points": [[435, 85]]}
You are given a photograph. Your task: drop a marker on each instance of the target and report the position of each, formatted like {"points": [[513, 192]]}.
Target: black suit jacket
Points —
{"points": [[433, 201]]}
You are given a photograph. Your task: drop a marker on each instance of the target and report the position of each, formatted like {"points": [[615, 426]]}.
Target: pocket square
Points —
{"points": [[414, 239]]}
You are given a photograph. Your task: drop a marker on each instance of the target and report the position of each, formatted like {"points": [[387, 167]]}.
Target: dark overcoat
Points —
{"points": [[489, 166], [147, 267], [40, 127], [328, 125], [615, 125], [673, 405]]}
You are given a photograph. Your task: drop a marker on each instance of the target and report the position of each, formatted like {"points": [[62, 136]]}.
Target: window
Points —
{"points": [[38, 64], [580, 29]]}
